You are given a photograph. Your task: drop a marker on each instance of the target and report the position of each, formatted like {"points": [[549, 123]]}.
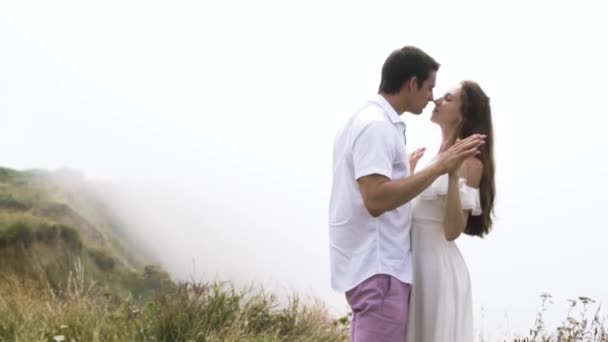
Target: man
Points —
{"points": [[370, 214]]}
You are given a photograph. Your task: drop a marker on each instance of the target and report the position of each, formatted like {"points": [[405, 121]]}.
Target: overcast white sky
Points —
{"points": [[224, 113]]}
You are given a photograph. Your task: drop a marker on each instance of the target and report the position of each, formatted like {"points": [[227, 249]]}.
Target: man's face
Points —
{"points": [[421, 95]]}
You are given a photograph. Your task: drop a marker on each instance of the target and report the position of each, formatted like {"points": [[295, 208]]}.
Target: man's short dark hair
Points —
{"points": [[403, 64]]}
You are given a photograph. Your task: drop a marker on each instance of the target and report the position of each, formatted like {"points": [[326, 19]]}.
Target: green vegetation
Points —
{"points": [[68, 274]]}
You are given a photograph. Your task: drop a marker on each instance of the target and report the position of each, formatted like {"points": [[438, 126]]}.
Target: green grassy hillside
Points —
{"points": [[69, 273]]}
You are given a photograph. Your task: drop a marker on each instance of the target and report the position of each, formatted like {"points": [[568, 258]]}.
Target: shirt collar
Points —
{"points": [[388, 109]]}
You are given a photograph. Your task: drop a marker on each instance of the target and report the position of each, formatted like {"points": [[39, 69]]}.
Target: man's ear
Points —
{"points": [[412, 84]]}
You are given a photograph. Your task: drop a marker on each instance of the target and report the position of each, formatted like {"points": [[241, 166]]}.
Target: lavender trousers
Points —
{"points": [[380, 307]]}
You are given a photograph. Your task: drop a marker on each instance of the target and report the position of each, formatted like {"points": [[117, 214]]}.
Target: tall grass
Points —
{"points": [[582, 322], [83, 311], [156, 309]]}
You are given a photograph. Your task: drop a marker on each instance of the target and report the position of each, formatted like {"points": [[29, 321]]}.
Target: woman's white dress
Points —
{"points": [[441, 300]]}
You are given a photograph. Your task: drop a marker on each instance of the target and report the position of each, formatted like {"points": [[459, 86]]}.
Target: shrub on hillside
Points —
{"points": [[17, 234], [7, 201], [102, 259], [70, 236]]}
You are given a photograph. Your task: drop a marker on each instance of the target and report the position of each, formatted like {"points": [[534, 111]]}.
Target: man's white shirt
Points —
{"points": [[371, 142]]}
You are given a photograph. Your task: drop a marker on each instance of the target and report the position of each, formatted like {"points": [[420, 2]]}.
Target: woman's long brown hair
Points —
{"points": [[477, 119]]}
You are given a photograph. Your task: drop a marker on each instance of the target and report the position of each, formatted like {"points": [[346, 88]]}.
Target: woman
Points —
{"points": [[459, 202]]}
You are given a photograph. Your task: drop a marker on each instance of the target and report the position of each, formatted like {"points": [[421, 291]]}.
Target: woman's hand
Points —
{"points": [[415, 157]]}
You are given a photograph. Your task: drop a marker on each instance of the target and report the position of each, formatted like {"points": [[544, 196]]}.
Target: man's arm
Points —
{"points": [[381, 194]]}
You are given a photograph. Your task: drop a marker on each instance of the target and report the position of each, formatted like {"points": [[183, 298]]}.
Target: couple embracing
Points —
{"points": [[393, 223]]}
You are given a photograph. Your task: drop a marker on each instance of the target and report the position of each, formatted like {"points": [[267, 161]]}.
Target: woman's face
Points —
{"points": [[447, 108]]}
